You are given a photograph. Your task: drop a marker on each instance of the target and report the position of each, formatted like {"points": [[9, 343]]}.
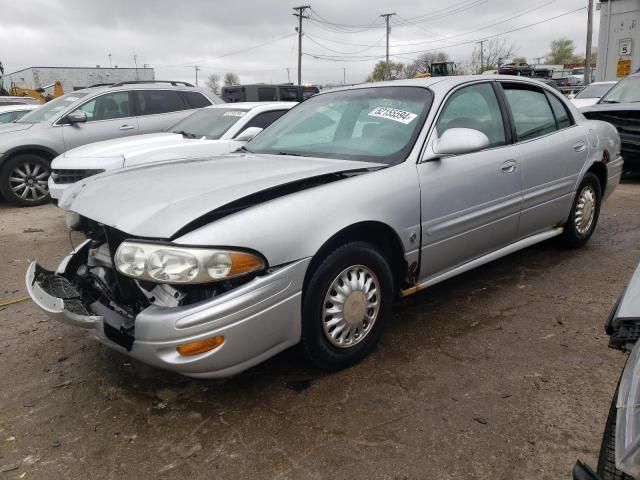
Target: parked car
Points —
{"points": [[619, 457], [620, 106], [590, 94], [309, 232], [13, 100], [11, 113], [211, 130], [28, 145], [262, 92]]}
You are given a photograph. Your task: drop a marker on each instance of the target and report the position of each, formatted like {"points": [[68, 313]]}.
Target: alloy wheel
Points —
{"points": [[29, 181]]}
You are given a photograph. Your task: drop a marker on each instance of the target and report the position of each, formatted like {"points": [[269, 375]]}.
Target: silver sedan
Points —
{"points": [[308, 234]]}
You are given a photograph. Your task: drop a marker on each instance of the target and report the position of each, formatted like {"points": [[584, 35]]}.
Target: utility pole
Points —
{"points": [[110, 66], [386, 17], [301, 9], [197, 68], [344, 76], [587, 60], [537, 59], [288, 76], [481, 42]]}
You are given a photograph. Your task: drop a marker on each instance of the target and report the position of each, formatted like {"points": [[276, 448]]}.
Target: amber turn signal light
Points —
{"points": [[201, 346]]}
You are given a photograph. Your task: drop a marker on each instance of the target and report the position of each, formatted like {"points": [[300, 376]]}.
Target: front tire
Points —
{"points": [[23, 180], [345, 306], [607, 458], [585, 212]]}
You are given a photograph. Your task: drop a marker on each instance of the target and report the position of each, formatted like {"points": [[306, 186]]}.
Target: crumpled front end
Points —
{"points": [[250, 319]]}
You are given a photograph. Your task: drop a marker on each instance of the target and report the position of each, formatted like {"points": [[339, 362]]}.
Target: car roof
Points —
{"points": [[441, 83], [150, 86], [16, 107]]}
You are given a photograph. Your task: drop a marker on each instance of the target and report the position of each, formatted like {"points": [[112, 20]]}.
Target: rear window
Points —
{"points": [[289, 94], [152, 102], [233, 94], [196, 99]]}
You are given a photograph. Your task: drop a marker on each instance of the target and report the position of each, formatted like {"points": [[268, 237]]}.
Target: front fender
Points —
{"points": [[295, 226]]}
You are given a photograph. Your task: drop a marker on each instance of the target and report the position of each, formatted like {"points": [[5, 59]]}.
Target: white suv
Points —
{"points": [[214, 130]]}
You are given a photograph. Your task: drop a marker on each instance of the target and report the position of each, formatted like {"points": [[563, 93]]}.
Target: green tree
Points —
{"points": [[519, 60], [562, 51], [230, 79], [396, 71]]}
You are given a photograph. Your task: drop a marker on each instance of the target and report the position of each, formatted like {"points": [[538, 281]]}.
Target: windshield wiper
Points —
{"points": [[185, 134], [290, 154]]}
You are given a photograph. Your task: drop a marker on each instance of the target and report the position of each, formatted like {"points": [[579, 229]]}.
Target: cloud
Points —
{"points": [[173, 36]]}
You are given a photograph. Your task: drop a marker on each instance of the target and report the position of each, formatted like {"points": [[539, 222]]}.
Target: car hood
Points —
{"points": [[611, 107], [14, 127], [126, 146], [157, 200]]}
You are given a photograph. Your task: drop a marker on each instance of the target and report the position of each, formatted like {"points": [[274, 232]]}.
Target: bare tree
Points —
{"points": [[213, 83], [519, 60], [494, 51], [230, 79]]}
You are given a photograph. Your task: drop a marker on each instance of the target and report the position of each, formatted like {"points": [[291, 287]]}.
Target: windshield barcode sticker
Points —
{"points": [[393, 114], [233, 113]]}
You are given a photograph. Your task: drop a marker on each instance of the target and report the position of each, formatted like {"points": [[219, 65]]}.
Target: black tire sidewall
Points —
{"points": [[314, 343], [571, 236], [5, 172]]}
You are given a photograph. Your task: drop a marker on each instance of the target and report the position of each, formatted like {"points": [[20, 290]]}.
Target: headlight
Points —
{"points": [[72, 219], [174, 264]]}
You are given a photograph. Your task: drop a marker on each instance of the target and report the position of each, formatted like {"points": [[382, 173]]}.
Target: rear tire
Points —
{"points": [[607, 458], [585, 212], [345, 306], [23, 180]]}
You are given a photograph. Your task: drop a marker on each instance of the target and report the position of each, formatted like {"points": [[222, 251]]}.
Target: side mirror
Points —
{"points": [[456, 141], [77, 116], [248, 134]]}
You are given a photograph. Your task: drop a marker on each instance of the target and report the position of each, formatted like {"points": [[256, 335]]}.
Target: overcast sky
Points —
{"points": [[173, 36]]}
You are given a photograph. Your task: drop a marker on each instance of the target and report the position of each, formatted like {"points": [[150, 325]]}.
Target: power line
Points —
{"points": [[309, 37]]}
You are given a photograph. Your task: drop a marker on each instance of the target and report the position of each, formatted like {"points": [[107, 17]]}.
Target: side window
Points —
{"points": [[559, 111], [107, 107], [263, 120], [7, 117], [289, 94], [153, 102], [476, 107], [531, 112], [196, 99], [308, 93], [267, 94]]}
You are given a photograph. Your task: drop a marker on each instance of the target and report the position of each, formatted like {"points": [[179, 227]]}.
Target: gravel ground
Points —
{"points": [[500, 373]]}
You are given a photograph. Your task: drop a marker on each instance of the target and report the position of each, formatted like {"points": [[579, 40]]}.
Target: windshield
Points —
{"points": [[371, 124], [577, 71], [51, 109], [595, 90], [209, 123], [625, 91]]}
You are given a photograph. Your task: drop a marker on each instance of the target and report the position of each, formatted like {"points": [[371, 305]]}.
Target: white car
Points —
{"points": [[11, 113], [214, 130], [590, 94]]}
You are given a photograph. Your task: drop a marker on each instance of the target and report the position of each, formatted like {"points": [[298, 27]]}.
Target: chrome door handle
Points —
{"points": [[509, 167], [580, 146], [127, 127]]}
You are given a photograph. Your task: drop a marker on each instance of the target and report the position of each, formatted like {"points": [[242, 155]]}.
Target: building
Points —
{"points": [[619, 39], [73, 78]]}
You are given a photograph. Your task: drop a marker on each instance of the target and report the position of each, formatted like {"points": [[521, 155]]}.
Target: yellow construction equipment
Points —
{"points": [[439, 69], [38, 94]]}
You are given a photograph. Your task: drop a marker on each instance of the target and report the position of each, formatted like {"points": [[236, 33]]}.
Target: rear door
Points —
{"points": [[551, 149], [470, 203], [159, 109], [108, 116]]}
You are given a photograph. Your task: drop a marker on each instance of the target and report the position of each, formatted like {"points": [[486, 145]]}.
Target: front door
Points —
{"points": [[470, 202], [108, 116]]}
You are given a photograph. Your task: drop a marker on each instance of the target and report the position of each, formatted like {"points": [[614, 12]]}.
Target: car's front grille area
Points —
{"points": [[627, 122], [72, 176]]}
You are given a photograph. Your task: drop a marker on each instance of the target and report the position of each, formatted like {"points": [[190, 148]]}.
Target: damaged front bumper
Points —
{"points": [[257, 320]]}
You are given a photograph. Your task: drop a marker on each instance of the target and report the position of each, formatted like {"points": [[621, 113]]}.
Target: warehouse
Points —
{"points": [[74, 78]]}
